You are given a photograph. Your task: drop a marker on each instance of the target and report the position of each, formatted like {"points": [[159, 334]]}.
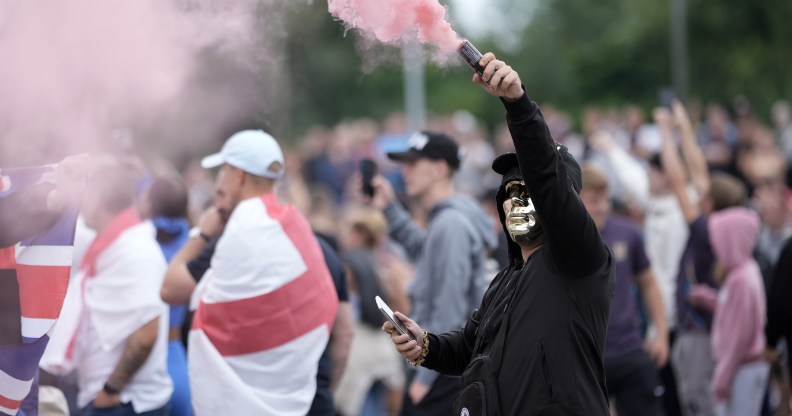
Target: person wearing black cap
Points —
{"points": [[449, 256], [535, 344]]}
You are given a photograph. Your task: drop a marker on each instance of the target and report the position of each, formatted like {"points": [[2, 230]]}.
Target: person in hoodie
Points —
{"points": [[779, 308], [535, 345], [738, 339], [450, 255]]}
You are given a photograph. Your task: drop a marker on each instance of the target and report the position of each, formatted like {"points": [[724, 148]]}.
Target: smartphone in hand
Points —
{"points": [[368, 169], [386, 310], [667, 97]]}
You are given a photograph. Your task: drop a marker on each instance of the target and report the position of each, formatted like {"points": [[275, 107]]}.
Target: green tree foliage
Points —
{"points": [[574, 53], [741, 48], [333, 78]]}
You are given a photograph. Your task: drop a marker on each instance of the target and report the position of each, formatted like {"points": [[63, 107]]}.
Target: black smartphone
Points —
{"points": [[368, 169], [667, 97]]}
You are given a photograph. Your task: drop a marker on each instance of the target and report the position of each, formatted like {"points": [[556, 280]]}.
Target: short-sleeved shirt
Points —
{"points": [[119, 299], [624, 323], [696, 267]]}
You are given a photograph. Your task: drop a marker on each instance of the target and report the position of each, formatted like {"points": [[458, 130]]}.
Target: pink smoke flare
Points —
{"points": [[397, 21]]}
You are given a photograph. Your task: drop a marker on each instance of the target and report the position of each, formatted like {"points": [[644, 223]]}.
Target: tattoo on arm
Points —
{"points": [[136, 352]]}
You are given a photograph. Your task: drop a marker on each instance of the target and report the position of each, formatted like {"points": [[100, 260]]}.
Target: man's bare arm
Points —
{"points": [[691, 151], [136, 351], [179, 283], [673, 167], [658, 347], [341, 342]]}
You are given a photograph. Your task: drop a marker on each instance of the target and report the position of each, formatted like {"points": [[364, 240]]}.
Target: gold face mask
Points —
{"points": [[522, 222]]}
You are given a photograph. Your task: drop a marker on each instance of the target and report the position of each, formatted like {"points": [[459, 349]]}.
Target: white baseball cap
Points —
{"points": [[253, 151]]}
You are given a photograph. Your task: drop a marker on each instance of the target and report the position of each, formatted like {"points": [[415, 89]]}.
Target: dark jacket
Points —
{"points": [[779, 308], [555, 305]]}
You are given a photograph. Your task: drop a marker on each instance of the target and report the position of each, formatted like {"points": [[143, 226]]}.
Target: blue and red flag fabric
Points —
{"points": [[39, 266]]}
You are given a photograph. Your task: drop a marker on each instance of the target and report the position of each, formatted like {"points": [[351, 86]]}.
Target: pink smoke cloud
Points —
{"points": [[397, 21], [74, 72]]}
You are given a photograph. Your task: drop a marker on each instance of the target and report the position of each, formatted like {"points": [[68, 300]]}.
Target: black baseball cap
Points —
{"points": [[507, 166], [430, 145]]}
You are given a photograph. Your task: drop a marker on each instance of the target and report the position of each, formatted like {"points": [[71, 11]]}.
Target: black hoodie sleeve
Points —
{"points": [[575, 243], [779, 308], [450, 352]]}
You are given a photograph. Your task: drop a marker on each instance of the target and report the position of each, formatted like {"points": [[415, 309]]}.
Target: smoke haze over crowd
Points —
{"points": [[169, 77], [75, 72]]}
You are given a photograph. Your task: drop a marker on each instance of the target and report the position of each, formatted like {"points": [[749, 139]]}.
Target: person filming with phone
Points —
{"points": [[535, 344]]}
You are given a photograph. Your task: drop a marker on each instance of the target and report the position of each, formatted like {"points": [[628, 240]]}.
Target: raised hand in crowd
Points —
{"points": [[691, 151], [384, 194], [71, 174], [42, 203], [501, 79], [673, 166]]}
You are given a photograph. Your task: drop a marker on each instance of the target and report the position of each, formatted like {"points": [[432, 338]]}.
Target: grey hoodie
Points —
{"points": [[449, 262]]}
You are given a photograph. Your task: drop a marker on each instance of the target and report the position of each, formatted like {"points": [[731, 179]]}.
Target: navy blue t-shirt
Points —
{"points": [[696, 267], [323, 400], [624, 323]]}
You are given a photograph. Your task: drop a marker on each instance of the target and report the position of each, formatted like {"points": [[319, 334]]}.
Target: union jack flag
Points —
{"points": [[39, 266]]}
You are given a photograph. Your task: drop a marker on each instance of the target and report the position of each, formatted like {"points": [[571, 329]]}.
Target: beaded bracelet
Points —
{"points": [[424, 351]]}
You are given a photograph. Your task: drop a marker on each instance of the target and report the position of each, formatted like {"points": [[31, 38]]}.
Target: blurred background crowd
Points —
{"points": [[624, 143], [330, 97]]}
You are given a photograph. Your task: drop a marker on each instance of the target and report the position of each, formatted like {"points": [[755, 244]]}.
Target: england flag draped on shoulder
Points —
{"points": [[34, 276], [264, 312]]}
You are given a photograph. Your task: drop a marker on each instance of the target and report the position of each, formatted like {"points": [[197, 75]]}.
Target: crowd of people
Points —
{"points": [[640, 266]]}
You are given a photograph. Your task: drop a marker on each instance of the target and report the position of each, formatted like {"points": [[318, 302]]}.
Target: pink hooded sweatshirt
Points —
{"points": [[740, 306]]}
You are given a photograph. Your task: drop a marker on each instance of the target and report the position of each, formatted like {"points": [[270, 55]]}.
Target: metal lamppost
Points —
{"points": [[414, 86], [679, 54]]}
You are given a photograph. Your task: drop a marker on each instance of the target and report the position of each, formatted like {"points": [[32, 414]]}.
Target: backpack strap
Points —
{"points": [[500, 339]]}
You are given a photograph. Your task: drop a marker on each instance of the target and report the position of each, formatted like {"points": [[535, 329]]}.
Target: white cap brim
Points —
{"points": [[212, 161]]}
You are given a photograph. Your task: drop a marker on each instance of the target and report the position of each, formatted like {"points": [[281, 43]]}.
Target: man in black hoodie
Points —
{"points": [[535, 345]]}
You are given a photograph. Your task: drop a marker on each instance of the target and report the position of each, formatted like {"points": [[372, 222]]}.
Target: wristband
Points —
{"points": [[107, 388], [196, 232], [424, 352]]}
